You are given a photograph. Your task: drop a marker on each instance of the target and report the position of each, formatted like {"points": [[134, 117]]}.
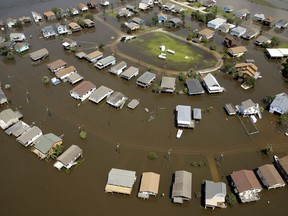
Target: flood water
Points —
{"points": [[32, 187]]}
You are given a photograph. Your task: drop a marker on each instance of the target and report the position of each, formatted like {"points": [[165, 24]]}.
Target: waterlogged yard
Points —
{"points": [[147, 49]]}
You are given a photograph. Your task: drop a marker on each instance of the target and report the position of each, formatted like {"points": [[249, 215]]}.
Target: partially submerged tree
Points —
{"points": [[282, 122], [230, 199], [83, 134], [250, 81], [152, 156], [45, 80]]}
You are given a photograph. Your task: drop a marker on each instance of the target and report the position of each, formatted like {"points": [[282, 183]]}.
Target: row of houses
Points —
{"points": [[32, 136]]}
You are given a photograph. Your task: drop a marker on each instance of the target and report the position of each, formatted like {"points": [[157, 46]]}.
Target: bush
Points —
{"points": [[198, 194], [182, 77], [83, 134], [45, 80], [230, 199], [152, 156]]}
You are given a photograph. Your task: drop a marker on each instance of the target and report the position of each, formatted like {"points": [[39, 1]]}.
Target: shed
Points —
{"points": [[69, 157], [133, 103], [230, 109], [197, 114], [182, 186], [149, 185]]}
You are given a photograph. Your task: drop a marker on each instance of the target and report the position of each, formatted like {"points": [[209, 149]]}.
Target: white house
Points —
{"points": [[215, 193], [238, 31], [212, 84], [280, 104], [65, 72], [18, 37], [215, 23], [184, 116], [149, 185], [145, 4], [9, 117], [29, 136], [83, 90], [61, 29], [118, 68], [248, 107], [69, 157]]}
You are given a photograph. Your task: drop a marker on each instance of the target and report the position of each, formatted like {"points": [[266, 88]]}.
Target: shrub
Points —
{"points": [[230, 199], [83, 134], [152, 156]]}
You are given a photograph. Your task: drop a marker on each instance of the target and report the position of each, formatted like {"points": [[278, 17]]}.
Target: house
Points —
{"points": [[262, 40], [124, 12], [258, 17], [29, 136], [277, 52], [80, 55], [118, 68], [88, 23], [247, 69], [168, 84], [269, 21], [212, 84], [129, 73], [167, 6], [251, 33], [237, 51], [230, 41], [92, 5], [2, 25], [82, 7], [197, 114], [68, 158], [205, 34], [116, 99], [175, 22], [43, 145], [10, 22], [61, 29], [120, 181], [146, 79], [21, 47], [178, 9], [132, 26], [94, 56], [132, 8], [248, 107], [281, 24], [74, 27], [3, 98], [270, 177], [83, 90], [230, 109], [74, 78], [9, 117], [56, 65], [68, 43], [24, 19], [17, 129], [246, 185], [145, 4], [17, 37], [184, 116], [225, 28], [39, 54], [49, 15], [74, 11], [281, 165], [215, 23], [209, 3], [194, 87], [100, 93], [280, 104], [48, 31], [242, 14], [238, 31], [228, 9], [64, 73], [149, 185], [162, 17], [36, 16], [138, 21], [105, 62], [215, 193], [104, 3], [182, 186]]}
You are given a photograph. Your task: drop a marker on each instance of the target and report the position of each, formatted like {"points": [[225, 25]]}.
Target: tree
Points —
{"points": [[89, 16], [57, 12], [10, 55], [250, 81], [275, 42], [156, 88], [101, 46], [155, 19], [229, 68], [267, 151], [152, 156], [230, 20], [230, 199], [81, 22], [18, 25], [213, 47], [282, 122], [56, 151], [83, 134], [182, 77], [285, 70], [45, 80]]}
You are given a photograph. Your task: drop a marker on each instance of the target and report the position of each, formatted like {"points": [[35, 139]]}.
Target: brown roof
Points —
{"points": [[271, 175], [245, 180], [83, 87], [236, 50], [74, 25], [65, 71], [206, 32], [49, 13], [94, 54], [284, 163], [81, 5], [150, 182], [56, 64], [247, 68]]}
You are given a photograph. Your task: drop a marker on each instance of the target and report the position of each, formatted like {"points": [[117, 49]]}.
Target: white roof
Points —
{"points": [[275, 53], [183, 114], [120, 177]]}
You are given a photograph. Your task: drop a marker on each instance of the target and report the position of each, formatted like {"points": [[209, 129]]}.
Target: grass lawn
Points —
{"points": [[183, 53], [283, 45]]}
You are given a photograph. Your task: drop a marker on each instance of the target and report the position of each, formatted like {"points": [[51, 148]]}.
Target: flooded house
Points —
{"points": [[17, 37], [242, 13], [17, 129], [56, 65], [130, 72], [43, 145], [216, 23], [36, 16], [230, 41], [146, 79], [2, 25], [182, 187], [277, 53], [120, 181], [238, 31], [237, 51], [116, 99], [61, 29], [68, 43], [167, 6], [194, 87], [29, 136], [100, 93], [48, 31], [215, 193], [270, 177], [69, 157], [247, 69], [197, 114], [258, 17], [246, 185], [83, 90], [105, 62], [21, 47], [281, 24], [230, 109], [251, 33], [138, 21], [118, 68], [74, 78], [209, 3], [145, 4], [74, 11], [262, 40], [94, 56], [64, 73], [132, 26], [74, 27], [92, 4], [281, 165], [184, 116], [10, 22], [88, 23], [9, 117], [39, 54], [25, 19], [168, 84], [82, 7], [269, 21], [49, 15], [104, 3], [205, 34], [211, 84], [228, 9], [280, 104], [3, 98], [149, 185], [124, 12], [175, 22], [248, 107]]}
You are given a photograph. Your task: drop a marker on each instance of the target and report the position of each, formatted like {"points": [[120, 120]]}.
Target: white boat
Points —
{"points": [[286, 134], [179, 133], [276, 159]]}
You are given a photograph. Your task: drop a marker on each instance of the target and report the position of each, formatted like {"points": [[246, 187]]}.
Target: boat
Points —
{"points": [[276, 159], [286, 134], [179, 133]]}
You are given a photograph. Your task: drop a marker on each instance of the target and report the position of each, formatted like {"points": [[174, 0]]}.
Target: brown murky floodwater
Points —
{"points": [[29, 186]]}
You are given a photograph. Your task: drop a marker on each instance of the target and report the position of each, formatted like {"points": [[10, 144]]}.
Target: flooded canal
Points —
{"points": [[32, 187]]}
